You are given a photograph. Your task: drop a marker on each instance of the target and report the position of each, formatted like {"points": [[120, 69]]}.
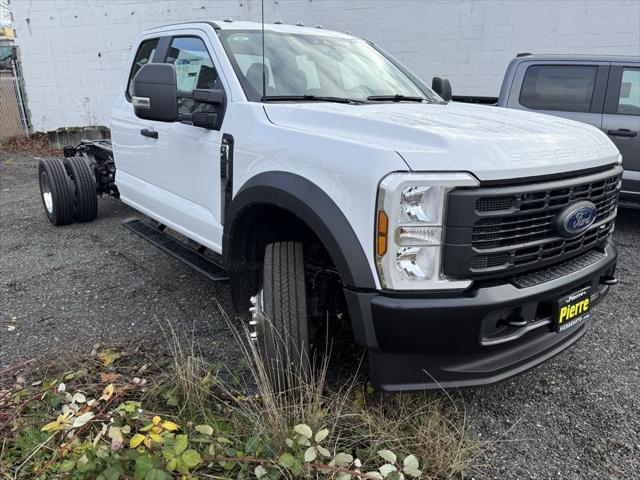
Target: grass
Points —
{"points": [[231, 424]]}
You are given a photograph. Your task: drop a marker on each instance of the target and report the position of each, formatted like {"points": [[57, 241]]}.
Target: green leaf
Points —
{"points": [[342, 459], [112, 473], [204, 429], [182, 441], [310, 454], [321, 435], [144, 464], [411, 466], [82, 419], [388, 456], [158, 474], [287, 460], [386, 469], [67, 466], [172, 464], [303, 430], [191, 458], [253, 445], [323, 451], [376, 475], [260, 471]]}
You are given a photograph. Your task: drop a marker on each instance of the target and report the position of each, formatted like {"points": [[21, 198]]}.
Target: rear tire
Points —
{"points": [[85, 197], [56, 195], [281, 326]]}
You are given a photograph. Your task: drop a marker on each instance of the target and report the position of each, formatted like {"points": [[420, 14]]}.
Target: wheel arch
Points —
{"points": [[286, 197]]}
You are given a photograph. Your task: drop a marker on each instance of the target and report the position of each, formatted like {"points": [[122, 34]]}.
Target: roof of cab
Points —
{"points": [[257, 26], [572, 57]]}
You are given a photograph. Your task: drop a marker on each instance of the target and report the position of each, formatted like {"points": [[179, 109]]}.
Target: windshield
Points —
{"points": [[315, 66]]}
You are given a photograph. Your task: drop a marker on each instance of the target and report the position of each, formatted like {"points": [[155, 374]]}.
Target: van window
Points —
{"points": [[629, 99], [566, 88], [145, 54]]}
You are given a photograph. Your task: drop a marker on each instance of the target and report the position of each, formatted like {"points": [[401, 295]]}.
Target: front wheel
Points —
{"points": [[279, 311]]}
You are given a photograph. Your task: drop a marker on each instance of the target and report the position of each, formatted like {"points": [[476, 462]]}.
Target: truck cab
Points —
{"points": [[460, 244]]}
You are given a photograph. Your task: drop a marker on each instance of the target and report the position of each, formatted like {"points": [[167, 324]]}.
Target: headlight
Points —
{"points": [[410, 229]]}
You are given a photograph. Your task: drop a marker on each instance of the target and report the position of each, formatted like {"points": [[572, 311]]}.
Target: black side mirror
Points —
{"points": [[442, 87], [212, 118], [155, 92]]}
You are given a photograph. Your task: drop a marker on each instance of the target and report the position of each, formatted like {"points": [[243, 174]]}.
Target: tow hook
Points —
{"points": [[608, 280]]}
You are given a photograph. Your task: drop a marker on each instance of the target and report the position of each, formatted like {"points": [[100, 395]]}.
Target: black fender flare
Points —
{"points": [[312, 205]]}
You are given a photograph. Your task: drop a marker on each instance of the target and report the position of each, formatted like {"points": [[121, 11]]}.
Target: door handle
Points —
{"points": [[623, 132], [145, 132]]}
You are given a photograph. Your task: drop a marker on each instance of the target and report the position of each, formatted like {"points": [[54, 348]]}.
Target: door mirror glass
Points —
{"points": [[155, 92], [442, 87]]}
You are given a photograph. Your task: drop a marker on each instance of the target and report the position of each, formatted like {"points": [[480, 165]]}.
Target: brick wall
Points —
{"points": [[74, 51]]}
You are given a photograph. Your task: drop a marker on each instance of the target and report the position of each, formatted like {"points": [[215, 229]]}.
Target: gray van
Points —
{"points": [[603, 91]]}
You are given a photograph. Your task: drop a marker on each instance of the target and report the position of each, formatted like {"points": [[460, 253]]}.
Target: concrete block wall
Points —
{"points": [[74, 51]]}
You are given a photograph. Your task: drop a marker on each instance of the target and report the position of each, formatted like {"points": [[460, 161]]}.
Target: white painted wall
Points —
{"points": [[74, 51]]}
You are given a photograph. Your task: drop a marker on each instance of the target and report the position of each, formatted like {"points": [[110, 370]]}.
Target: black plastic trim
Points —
{"points": [[432, 343], [313, 206]]}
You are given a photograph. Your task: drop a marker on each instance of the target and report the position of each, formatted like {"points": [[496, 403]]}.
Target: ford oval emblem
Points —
{"points": [[576, 218]]}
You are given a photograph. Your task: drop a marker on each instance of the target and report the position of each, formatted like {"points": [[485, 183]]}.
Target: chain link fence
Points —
{"points": [[14, 118]]}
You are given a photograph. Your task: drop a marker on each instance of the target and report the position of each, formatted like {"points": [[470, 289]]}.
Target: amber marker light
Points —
{"points": [[382, 231]]}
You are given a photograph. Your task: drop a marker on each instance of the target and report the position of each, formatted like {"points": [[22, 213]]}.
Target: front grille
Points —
{"points": [[492, 231]]}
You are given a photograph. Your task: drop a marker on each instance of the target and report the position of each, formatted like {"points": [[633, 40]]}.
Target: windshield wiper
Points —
{"points": [[308, 98], [395, 98]]}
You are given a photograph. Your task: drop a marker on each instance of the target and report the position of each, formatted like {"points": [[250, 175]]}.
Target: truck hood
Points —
{"points": [[493, 143]]}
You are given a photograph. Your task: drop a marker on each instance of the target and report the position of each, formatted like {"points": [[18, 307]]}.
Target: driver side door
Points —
{"points": [[173, 168]]}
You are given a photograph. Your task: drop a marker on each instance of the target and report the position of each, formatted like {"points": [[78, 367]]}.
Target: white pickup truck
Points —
{"points": [[461, 244]]}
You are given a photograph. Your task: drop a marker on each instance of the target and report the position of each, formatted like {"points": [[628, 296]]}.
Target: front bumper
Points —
{"points": [[423, 343]]}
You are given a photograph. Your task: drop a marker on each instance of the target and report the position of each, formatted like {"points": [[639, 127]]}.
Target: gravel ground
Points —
{"points": [[577, 416]]}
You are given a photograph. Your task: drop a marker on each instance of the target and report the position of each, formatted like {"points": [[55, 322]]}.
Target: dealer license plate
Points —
{"points": [[572, 310]]}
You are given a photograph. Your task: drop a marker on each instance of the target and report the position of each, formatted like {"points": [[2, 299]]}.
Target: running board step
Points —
{"points": [[177, 249]]}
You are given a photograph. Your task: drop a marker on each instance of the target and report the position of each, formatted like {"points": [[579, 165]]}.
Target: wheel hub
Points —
{"points": [[257, 314], [46, 192]]}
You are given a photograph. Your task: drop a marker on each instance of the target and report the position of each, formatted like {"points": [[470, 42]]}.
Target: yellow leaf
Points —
{"points": [[168, 425], [148, 442], [136, 440], [156, 429], [156, 420], [107, 357], [155, 437], [108, 392], [55, 426]]}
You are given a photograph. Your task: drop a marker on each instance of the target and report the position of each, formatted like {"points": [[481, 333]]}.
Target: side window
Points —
{"points": [[629, 99], [567, 88], [145, 54], [194, 69]]}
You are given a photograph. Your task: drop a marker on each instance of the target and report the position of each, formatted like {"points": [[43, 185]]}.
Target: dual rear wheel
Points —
{"points": [[68, 190]]}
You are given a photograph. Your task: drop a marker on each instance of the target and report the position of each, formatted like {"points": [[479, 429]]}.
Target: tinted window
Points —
{"points": [[629, 100], [144, 56], [194, 69], [565, 88]]}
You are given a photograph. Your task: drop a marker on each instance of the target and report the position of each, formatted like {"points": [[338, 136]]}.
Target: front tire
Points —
{"points": [[85, 197], [57, 197], [280, 313]]}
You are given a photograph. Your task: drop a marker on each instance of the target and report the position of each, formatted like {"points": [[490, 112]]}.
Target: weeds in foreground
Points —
{"points": [[113, 415]]}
